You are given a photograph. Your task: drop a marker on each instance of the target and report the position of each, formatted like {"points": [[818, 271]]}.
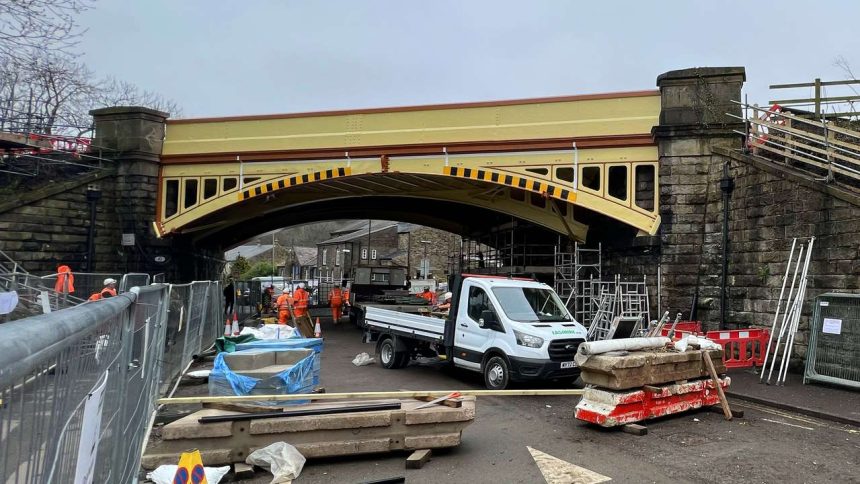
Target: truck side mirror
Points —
{"points": [[487, 319]]}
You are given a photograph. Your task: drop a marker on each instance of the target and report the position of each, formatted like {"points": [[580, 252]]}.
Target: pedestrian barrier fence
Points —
{"points": [[742, 347], [78, 387], [683, 328], [834, 341]]}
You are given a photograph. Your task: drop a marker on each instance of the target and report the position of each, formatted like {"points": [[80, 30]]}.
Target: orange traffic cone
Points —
{"points": [[317, 329], [227, 328], [235, 325]]}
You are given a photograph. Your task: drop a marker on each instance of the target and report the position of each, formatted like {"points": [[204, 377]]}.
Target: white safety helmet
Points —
{"points": [[110, 280], [301, 285], [286, 291], [448, 295]]}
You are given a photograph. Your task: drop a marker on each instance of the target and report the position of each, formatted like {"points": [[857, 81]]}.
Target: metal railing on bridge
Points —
{"points": [[78, 386], [824, 147]]}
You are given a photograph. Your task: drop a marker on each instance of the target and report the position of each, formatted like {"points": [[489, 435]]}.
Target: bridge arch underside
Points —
{"points": [[469, 207]]}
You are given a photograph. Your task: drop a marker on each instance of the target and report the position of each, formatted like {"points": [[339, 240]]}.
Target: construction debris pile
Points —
{"points": [[635, 379]]}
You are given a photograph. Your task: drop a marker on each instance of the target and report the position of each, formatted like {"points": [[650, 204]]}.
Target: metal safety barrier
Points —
{"points": [[834, 341], [193, 324], [78, 387]]}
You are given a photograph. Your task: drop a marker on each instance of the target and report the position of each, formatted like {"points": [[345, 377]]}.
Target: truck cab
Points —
{"points": [[513, 330]]}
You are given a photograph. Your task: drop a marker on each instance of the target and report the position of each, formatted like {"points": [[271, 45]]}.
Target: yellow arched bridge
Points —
{"points": [[561, 163]]}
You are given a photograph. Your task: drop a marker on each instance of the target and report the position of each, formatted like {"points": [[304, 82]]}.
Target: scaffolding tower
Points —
{"points": [[575, 274]]}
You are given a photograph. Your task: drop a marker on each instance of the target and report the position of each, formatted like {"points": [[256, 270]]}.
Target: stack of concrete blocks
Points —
{"points": [[640, 385], [315, 436], [315, 344], [274, 372]]}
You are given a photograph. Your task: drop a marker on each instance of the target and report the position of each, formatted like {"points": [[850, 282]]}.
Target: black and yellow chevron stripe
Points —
{"points": [[550, 189], [291, 181]]}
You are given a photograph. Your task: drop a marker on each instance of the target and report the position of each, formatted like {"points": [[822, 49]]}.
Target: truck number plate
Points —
{"points": [[568, 364]]}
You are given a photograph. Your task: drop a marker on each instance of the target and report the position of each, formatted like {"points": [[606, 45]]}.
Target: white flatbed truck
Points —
{"points": [[507, 329]]}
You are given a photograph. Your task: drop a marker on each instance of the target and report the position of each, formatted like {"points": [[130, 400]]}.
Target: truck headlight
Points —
{"points": [[524, 339]]}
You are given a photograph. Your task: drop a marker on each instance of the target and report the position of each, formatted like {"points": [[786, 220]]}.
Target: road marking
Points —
{"points": [[807, 420], [557, 471], [786, 423]]}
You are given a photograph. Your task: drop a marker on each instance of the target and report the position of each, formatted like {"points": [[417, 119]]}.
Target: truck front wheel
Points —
{"points": [[496, 373]]}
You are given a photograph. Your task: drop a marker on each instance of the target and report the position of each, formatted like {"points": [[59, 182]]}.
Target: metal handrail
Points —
{"points": [[802, 146]]}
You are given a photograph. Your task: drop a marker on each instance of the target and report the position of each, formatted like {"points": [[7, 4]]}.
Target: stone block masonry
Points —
{"points": [[768, 207], [49, 225]]}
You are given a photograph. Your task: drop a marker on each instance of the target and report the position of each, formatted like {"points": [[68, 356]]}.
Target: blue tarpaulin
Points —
{"points": [[315, 344], [299, 378]]}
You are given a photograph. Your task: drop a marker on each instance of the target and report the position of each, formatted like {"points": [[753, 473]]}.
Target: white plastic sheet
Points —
{"points": [[8, 302], [283, 460], [363, 359], [626, 344], [684, 344], [272, 331], [164, 474]]}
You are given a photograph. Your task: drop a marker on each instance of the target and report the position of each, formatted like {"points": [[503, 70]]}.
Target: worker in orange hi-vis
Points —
{"points": [[300, 311], [427, 294], [335, 300], [108, 291], [283, 304], [65, 280]]}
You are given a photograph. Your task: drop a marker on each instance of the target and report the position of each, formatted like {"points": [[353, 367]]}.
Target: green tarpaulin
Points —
{"points": [[228, 343]]}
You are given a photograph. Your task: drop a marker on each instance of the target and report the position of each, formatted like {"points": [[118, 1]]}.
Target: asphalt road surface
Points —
{"points": [[766, 446]]}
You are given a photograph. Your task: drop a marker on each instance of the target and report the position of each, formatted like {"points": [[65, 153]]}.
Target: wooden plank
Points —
{"points": [[418, 459], [725, 403], [719, 409], [635, 429], [369, 395]]}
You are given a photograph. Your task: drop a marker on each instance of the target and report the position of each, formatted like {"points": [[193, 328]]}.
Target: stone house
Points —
{"points": [[382, 243]]}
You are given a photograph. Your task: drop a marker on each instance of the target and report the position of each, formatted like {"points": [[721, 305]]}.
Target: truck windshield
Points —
{"points": [[530, 304]]}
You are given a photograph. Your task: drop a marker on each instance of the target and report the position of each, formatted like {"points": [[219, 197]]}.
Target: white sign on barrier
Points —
{"points": [[832, 326], [91, 425]]}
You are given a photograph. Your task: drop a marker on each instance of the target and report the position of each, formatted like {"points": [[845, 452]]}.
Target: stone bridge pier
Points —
{"points": [[132, 137]]}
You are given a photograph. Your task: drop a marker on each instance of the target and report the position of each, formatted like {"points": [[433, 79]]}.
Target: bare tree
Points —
{"points": [[47, 26], [42, 88], [114, 92]]}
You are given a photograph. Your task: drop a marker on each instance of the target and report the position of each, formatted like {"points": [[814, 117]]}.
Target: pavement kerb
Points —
{"points": [[792, 408]]}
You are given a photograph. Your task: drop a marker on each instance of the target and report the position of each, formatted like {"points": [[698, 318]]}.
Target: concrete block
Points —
{"points": [[321, 422], [188, 428], [242, 471], [418, 458], [432, 441], [210, 457], [351, 447], [642, 368], [315, 436]]}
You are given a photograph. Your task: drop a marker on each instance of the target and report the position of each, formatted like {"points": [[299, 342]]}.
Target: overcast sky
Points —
{"points": [[252, 57]]}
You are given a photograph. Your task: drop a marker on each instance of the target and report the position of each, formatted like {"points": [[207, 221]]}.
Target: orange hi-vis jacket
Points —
{"points": [[284, 302], [335, 297], [300, 302], [65, 280], [106, 292]]}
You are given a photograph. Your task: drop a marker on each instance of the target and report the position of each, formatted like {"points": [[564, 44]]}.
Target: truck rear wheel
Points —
{"points": [[389, 357]]}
